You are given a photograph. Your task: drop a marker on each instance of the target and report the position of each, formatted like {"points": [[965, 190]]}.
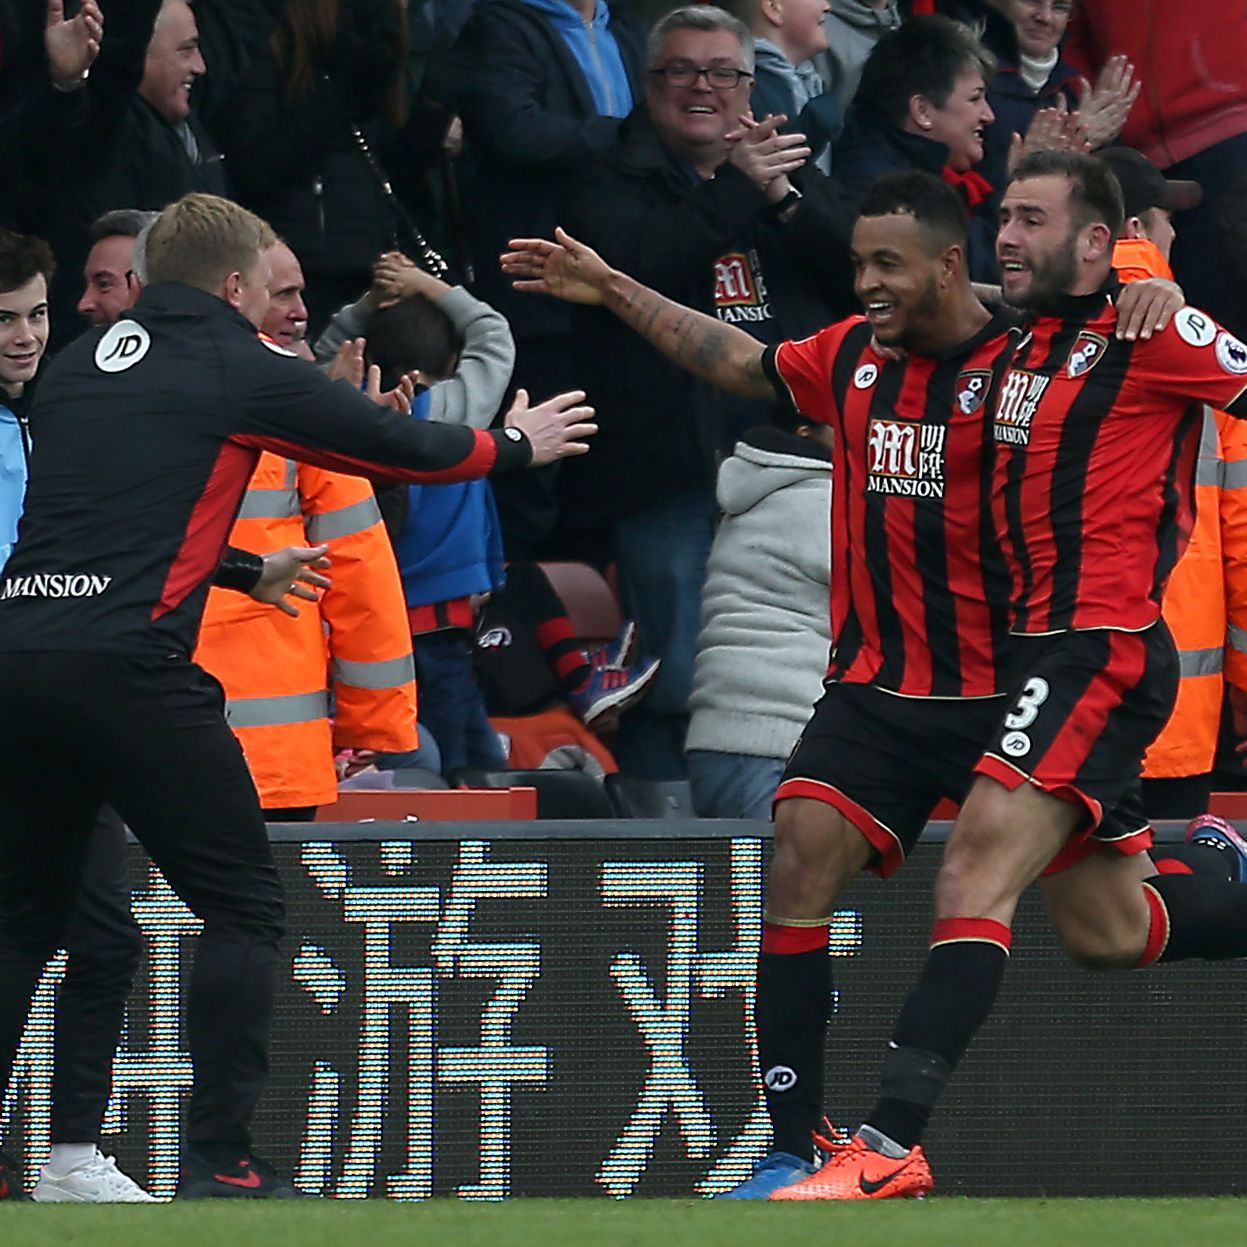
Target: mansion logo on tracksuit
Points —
{"points": [[739, 289], [906, 459], [54, 585], [1019, 399]]}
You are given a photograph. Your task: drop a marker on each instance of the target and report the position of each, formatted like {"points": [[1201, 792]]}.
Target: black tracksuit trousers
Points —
{"points": [[148, 736]]}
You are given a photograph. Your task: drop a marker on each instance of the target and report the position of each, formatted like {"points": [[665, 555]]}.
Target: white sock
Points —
{"points": [[66, 1156]]}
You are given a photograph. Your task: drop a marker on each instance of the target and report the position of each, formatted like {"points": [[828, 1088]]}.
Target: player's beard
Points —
{"points": [[1052, 278], [921, 319]]}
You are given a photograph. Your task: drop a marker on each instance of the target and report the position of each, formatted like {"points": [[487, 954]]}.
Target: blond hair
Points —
{"points": [[199, 240]]}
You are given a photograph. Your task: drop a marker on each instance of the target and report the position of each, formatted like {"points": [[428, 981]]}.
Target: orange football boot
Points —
{"points": [[857, 1172]]}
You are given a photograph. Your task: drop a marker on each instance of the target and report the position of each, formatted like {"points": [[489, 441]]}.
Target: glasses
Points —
{"points": [[682, 74]]}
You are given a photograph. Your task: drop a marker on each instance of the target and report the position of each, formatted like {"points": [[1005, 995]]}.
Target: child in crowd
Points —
{"points": [[446, 537]]}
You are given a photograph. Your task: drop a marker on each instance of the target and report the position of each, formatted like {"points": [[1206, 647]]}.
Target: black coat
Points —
{"points": [[297, 165], [530, 124], [103, 146], [640, 206]]}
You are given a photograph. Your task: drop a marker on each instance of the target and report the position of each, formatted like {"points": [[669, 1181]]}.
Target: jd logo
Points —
{"points": [[122, 346], [780, 1078], [494, 638]]}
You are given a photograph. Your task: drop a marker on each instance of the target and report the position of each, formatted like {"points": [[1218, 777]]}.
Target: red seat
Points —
{"points": [[591, 604]]}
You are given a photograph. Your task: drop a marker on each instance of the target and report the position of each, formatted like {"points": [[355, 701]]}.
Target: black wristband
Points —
{"points": [[515, 451], [239, 570]]}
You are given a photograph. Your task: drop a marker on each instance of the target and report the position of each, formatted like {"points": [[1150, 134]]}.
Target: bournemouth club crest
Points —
{"points": [[1088, 350], [972, 388]]}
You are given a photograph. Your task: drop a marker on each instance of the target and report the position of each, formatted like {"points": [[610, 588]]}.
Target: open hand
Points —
{"points": [[292, 573], [399, 398], [1105, 107], [72, 45], [765, 156], [565, 268], [1146, 307], [554, 428], [1051, 129], [348, 363]]}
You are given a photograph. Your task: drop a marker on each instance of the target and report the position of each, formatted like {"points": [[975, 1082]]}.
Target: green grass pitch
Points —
{"points": [[633, 1223]]}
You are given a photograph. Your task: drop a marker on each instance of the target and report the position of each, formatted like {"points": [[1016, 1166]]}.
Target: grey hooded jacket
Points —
{"points": [[766, 629]]}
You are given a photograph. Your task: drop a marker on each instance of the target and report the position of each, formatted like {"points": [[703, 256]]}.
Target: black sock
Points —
{"points": [[794, 1000], [950, 1002], [1210, 859], [1194, 917]]}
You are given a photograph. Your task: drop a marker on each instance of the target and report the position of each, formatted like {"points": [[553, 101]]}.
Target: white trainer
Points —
{"points": [[96, 1181]]}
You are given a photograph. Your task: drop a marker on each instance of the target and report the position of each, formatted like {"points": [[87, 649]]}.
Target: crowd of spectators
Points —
{"points": [[715, 154]]}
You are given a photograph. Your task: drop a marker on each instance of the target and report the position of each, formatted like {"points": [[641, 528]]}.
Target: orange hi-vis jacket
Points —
{"points": [[1205, 602], [338, 676]]}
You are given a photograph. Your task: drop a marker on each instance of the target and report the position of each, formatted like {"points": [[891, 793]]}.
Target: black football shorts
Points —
{"points": [[884, 761]]}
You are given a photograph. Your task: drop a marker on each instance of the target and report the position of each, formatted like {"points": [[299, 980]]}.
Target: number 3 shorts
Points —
{"points": [[1084, 708]]}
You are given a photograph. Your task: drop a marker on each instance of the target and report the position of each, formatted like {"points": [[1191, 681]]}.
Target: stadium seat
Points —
{"points": [[560, 794], [650, 798], [430, 804], [369, 778], [417, 777], [591, 604]]}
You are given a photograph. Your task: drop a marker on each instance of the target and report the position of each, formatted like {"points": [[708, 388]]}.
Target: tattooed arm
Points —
{"points": [[725, 356]]}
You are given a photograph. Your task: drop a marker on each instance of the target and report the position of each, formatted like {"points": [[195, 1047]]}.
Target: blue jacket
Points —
{"points": [[12, 479], [449, 541], [597, 52]]}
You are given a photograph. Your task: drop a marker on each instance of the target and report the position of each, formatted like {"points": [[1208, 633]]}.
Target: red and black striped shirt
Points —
{"points": [[1096, 446], [919, 586]]}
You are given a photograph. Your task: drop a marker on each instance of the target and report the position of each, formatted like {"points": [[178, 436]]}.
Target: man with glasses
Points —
{"points": [[721, 212]]}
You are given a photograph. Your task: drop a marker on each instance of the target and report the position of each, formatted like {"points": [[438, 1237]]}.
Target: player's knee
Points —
{"points": [[1100, 950], [966, 885], [816, 853], [1099, 936]]}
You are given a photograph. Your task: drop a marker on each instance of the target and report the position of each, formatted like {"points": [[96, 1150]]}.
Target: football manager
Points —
{"points": [[145, 435]]}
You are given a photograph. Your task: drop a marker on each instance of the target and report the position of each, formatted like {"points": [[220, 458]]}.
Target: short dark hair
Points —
{"points": [[929, 200], [121, 223], [412, 333], [1094, 193], [23, 257], [923, 56]]}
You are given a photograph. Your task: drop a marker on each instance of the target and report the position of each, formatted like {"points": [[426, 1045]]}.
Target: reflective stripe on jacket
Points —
{"points": [[1197, 604], [1205, 602], [352, 653]]}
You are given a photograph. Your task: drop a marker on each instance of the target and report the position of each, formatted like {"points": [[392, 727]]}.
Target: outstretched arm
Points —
{"points": [[721, 354]]}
